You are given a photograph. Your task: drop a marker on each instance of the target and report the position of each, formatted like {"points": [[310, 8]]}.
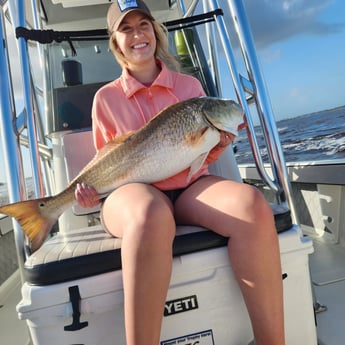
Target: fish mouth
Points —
{"points": [[223, 128], [223, 123], [211, 124]]}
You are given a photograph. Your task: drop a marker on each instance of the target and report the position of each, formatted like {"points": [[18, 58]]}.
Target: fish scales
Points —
{"points": [[140, 156], [179, 137]]}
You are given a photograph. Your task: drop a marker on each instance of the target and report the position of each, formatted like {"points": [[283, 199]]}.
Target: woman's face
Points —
{"points": [[136, 38]]}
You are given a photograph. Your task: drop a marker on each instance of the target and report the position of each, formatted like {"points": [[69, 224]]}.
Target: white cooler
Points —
{"points": [[204, 305]]}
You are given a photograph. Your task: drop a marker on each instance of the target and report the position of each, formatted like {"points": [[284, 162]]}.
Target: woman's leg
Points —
{"points": [[143, 217], [239, 211]]}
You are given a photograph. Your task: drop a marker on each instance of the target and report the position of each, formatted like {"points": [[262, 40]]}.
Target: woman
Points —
{"points": [[147, 230]]}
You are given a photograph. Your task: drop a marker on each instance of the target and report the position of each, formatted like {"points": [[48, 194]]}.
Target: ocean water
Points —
{"points": [[316, 136]]}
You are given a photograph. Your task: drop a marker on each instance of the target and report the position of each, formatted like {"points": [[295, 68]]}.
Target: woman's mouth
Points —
{"points": [[140, 45]]}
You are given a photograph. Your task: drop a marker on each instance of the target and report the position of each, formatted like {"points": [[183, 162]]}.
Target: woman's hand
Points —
{"points": [[226, 138], [86, 196]]}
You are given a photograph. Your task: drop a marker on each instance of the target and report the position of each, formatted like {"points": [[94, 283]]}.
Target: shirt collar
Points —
{"points": [[130, 85]]}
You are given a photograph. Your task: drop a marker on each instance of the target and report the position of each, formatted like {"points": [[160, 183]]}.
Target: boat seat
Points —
{"points": [[88, 251]]}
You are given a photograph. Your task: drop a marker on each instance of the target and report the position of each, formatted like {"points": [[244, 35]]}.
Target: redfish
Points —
{"points": [[179, 137]]}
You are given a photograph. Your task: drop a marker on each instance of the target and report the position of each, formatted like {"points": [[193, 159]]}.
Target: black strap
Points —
{"points": [[193, 20], [49, 36]]}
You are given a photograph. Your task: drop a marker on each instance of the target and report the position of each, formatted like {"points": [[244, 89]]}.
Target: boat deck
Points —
{"points": [[12, 330], [328, 276]]}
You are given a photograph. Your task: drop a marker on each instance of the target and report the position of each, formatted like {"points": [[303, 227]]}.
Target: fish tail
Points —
{"points": [[34, 223]]}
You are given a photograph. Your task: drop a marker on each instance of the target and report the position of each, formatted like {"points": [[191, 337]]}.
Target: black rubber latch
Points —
{"points": [[74, 296]]}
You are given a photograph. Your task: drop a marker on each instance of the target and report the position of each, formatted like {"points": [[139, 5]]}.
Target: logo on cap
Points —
{"points": [[126, 4]]}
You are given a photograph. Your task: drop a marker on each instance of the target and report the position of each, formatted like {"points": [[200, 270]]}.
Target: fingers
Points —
{"points": [[242, 126], [86, 196]]}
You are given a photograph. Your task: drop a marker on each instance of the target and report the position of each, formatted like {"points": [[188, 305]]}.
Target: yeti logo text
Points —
{"points": [[180, 305]]}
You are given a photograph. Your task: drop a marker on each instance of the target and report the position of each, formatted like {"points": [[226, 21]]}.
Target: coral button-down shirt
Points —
{"points": [[125, 105]]}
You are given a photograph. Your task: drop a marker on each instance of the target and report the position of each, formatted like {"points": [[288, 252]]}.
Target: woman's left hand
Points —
{"points": [[226, 139], [86, 196]]}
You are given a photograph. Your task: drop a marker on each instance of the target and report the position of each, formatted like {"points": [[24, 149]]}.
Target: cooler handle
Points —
{"points": [[75, 298]]}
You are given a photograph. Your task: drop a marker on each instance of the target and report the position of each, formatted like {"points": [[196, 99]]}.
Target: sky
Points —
{"points": [[301, 50]]}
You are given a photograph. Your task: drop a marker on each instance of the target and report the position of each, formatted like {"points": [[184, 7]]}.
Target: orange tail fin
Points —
{"points": [[35, 225]]}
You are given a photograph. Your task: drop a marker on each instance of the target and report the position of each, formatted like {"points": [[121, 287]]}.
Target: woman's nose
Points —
{"points": [[137, 32]]}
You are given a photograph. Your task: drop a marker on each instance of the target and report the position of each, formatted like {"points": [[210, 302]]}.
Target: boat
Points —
{"points": [[70, 290]]}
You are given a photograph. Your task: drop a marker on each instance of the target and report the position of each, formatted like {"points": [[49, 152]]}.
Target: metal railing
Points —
{"points": [[255, 86], [9, 140]]}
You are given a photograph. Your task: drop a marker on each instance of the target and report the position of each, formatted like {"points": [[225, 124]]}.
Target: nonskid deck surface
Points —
{"points": [[328, 263], [327, 266], [330, 323], [12, 330]]}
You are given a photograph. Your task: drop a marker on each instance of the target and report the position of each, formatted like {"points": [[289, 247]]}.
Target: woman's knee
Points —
{"points": [[140, 212], [256, 204], [152, 218], [260, 219], [250, 212]]}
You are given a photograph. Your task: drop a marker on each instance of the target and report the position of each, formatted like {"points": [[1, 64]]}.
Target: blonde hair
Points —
{"points": [[162, 47]]}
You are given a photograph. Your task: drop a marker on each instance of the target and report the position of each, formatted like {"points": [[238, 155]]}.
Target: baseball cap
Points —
{"points": [[120, 8]]}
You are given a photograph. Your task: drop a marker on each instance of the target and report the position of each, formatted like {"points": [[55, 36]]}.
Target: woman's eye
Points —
{"points": [[144, 25], [125, 28]]}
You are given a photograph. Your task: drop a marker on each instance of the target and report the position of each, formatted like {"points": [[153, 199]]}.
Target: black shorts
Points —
{"points": [[175, 193]]}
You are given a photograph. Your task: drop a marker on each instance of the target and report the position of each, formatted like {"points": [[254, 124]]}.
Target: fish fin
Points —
{"points": [[115, 142], [109, 146], [34, 224], [196, 165], [194, 138]]}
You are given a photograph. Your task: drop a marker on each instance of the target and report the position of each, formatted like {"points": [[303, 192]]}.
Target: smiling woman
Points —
{"points": [[145, 87], [135, 41]]}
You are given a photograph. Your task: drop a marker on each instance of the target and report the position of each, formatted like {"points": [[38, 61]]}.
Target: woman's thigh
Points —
{"points": [[136, 205], [221, 205]]}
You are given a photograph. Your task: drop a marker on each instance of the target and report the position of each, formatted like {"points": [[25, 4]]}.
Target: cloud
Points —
{"points": [[278, 20], [271, 54]]}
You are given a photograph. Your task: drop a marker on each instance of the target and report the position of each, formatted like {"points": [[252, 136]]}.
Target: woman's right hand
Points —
{"points": [[86, 196]]}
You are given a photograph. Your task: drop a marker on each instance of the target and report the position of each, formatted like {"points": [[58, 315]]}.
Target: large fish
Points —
{"points": [[179, 137]]}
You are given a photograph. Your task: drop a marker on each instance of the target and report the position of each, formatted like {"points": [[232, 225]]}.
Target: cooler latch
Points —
{"points": [[74, 296]]}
